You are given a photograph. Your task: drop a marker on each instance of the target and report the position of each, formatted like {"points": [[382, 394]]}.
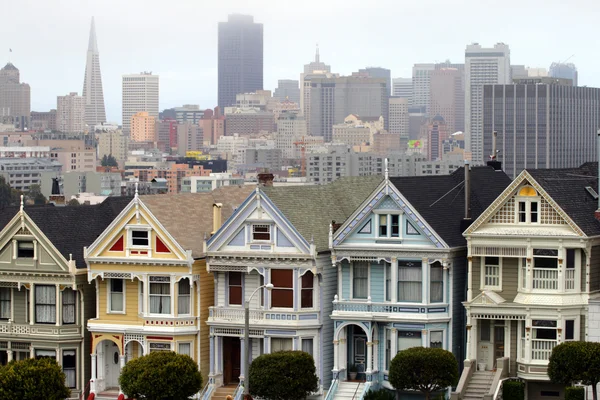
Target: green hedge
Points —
{"points": [[381, 394], [513, 390], [574, 393]]}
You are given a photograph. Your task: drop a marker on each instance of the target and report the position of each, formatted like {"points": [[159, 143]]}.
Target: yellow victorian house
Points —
{"points": [[152, 288]]}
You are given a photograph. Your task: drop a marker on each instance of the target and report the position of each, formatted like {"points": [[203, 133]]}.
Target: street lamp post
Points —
{"points": [[268, 286]]}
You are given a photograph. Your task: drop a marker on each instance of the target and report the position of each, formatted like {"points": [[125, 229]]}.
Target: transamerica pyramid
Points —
{"points": [[92, 84]]}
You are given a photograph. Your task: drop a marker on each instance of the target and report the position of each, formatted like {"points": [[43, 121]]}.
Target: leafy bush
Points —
{"points": [[33, 379], [513, 390], [576, 362], [381, 394], [427, 370], [574, 393], [161, 375], [283, 375]]}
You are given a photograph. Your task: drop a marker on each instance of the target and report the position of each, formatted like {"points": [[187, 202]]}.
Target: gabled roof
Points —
{"points": [[440, 199], [567, 188], [70, 228], [310, 209], [188, 217]]}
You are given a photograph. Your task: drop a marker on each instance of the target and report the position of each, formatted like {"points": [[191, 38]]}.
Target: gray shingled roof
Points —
{"points": [[567, 189], [311, 209]]}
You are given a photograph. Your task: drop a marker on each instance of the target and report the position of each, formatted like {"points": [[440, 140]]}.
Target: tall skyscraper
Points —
{"points": [[70, 113], [333, 99], [564, 70], [240, 58], [399, 117], [140, 93], [95, 114], [541, 123], [402, 87], [447, 97], [15, 97], [287, 89], [378, 72], [483, 66], [421, 77], [315, 68]]}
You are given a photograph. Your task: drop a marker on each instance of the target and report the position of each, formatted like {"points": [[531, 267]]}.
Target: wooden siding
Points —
{"points": [[476, 275], [595, 269], [20, 305], [513, 347], [510, 277], [131, 304], [207, 299], [88, 295], [345, 281], [222, 288], [328, 289]]}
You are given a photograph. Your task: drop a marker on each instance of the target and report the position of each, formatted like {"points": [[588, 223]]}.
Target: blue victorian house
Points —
{"points": [[401, 263]]}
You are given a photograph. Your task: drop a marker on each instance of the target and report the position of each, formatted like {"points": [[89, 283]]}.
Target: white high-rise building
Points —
{"points": [[95, 114], [291, 128], [399, 118], [420, 85], [483, 66], [402, 87], [140, 93], [70, 113], [314, 68]]}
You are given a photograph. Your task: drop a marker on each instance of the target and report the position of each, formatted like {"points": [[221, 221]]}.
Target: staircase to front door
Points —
{"points": [[108, 394], [479, 385], [222, 392], [349, 390]]}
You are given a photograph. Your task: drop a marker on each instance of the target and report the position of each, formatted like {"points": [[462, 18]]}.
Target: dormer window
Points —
{"points": [[528, 206], [140, 238], [389, 225], [261, 232], [25, 249]]}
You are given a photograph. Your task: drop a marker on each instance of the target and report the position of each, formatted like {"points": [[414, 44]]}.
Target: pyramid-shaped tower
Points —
{"points": [[95, 113]]}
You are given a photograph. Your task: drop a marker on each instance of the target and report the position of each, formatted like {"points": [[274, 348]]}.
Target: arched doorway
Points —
{"points": [[353, 350], [107, 362]]}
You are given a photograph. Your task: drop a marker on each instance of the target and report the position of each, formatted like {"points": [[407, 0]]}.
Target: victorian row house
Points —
{"points": [[279, 238], [153, 292], [45, 300], [533, 268], [400, 261]]}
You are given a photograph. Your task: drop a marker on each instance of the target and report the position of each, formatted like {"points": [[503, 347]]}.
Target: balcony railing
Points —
{"points": [[26, 330], [236, 315], [369, 307], [545, 278], [541, 349]]}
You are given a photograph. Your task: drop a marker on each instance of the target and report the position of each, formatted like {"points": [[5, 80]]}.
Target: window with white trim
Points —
{"points": [[185, 349], [569, 329], [492, 273], [408, 339], [528, 206], [436, 339], [307, 346], [5, 299], [184, 297], [261, 232], [436, 283], [360, 280], [69, 366], [410, 281], [388, 349], [45, 304], [281, 344], [25, 249], [160, 347], [389, 225], [388, 281], [116, 295], [140, 238], [160, 295], [69, 306]]}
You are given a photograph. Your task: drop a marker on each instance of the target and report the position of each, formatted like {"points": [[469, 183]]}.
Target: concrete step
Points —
{"points": [[349, 390]]}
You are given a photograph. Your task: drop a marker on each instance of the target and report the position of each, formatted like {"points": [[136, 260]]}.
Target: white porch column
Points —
{"points": [[528, 334], [121, 365], [31, 304], [339, 274], [469, 275], [424, 280], [474, 330], [393, 344], [212, 357], [94, 374], [243, 344], [376, 355], [9, 355], [369, 358], [58, 305], [394, 280], [336, 353], [343, 359]]}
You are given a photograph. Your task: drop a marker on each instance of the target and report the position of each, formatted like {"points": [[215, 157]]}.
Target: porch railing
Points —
{"points": [[541, 349], [365, 390], [570, 279], [239, 392], [332, 388], [370, 307], [237, 315], [545, 278]]}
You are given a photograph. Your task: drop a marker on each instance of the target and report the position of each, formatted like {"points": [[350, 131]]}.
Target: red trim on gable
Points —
{"points": [[118, 246], [161, 247]]}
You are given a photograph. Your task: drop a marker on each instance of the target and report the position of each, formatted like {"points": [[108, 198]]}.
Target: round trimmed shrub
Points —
{"points": [[33, 379]]}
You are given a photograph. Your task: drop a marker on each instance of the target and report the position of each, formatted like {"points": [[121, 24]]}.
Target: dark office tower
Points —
{"points": [[378, 72], [541, 123], [240, 58], [565, 71]]}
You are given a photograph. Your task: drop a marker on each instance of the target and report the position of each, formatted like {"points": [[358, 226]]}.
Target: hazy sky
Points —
{"points": [[177, 39]]}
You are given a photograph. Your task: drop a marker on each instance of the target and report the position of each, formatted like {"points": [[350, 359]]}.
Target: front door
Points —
{"points": [[360, 355], [231, 360], [111, 364]]}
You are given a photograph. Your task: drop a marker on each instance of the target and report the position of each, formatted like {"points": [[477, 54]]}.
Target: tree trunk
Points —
{"points": [[595, 390], [428, 395]]}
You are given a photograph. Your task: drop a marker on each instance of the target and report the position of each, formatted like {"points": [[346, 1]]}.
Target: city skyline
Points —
{"points": [[190, 77]]}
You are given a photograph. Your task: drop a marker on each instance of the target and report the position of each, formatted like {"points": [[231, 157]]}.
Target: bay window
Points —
{"points": [[436, 283], [281, 344], [184, 297], [5, 299], [544, 338], [69, 305], [569, 329], [116, 296], [410, 281], [235, 288], [436, 339], [282, 294], [360, 280], [307, 346], [545, 269], [39, 354], [69, 365], [408, 339], [45, 304], [160, 295], [306, 295]]}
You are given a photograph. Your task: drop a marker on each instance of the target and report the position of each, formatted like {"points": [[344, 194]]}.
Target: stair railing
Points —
{"points": [[239, 392], [356, 390], [333, 387], [365, 390]]}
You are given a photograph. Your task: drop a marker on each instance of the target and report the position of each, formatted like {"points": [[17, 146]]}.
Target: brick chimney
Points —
{"points": [[265, 179]]}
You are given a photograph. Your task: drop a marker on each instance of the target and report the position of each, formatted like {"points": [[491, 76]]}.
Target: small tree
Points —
{"points": [[8, 195], [576, 362], [109, 161], [35, 194], [33, 379], [161, 375], [283, 375], [73, 202], [427, 370]]}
